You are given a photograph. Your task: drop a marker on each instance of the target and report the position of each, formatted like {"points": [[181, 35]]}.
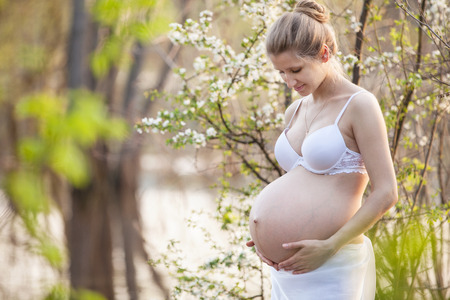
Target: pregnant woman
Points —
{"points": [[308, 225]]}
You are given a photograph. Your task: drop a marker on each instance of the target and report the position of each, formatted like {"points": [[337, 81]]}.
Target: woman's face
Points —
{"points": [[302, 75]]}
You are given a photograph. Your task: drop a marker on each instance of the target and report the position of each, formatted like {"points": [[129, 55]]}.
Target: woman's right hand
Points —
{"points": [[262, 257]]}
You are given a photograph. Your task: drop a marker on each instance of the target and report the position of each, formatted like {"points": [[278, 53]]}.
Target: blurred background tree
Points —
{"points": [[68, 98]]}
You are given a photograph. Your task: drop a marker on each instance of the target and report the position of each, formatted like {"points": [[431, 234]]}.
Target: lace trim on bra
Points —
{"points": [[351, 162]]}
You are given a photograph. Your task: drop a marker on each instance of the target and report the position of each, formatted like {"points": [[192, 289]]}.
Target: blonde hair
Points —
{"points": [[304, 31]]}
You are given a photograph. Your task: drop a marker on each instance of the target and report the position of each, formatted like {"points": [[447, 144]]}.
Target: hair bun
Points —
{"points": [[313, 10]]}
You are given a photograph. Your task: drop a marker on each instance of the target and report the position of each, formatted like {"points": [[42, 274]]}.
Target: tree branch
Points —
{"points": [[403, 109], [360, 40], [427, 158], [421, 22]]}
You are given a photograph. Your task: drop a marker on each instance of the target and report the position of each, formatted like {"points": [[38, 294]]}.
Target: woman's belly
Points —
{"points": [[301, 205]]}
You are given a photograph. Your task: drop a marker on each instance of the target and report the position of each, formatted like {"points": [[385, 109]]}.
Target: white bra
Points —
{"points": [[324, 150]]}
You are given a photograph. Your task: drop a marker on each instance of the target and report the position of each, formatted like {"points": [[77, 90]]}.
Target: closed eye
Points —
{"points": [[293, 71]]}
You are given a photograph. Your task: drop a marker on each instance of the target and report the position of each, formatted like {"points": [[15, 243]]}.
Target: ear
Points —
{"points": [[325, 54]]}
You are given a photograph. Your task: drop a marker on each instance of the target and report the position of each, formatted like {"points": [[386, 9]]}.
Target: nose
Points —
{"points": [[290, 80]]}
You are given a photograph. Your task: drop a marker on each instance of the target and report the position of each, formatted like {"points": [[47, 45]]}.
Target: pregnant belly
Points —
{"points": [[301, 205]]}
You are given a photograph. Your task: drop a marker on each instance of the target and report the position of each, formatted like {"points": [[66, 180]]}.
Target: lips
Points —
{"points": [[299, 88]]}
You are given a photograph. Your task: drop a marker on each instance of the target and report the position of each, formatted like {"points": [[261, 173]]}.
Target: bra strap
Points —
{"points": [[298, 106], [345, 106]]}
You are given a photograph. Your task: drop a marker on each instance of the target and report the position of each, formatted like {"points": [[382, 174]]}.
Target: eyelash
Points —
{"points": [[293, 71]]}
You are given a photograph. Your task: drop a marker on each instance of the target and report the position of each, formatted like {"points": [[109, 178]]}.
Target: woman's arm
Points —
{"points": [[370, 134], [369, 131]]}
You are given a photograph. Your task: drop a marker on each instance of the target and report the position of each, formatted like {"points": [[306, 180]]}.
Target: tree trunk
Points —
{"points": [[88, 227], [127, 175], [90, 243], [112, 185], [131, 225], [360, 40], [76, 41]]}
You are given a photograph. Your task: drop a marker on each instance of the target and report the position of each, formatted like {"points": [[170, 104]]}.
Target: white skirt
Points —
{"points": [[348, 275]]}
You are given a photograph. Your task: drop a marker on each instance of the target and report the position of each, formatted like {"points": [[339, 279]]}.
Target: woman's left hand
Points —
{"points": [[311, 254]]}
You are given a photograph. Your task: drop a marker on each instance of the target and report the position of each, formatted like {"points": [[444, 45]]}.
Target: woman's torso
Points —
{"points": [[304, 205]]}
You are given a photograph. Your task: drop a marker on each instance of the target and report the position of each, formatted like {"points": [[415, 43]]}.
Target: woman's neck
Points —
{"points": [[329, 87]]}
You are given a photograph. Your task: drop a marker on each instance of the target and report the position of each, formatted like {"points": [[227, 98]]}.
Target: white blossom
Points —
{"points": [[267, 110], [279, 117], [200, 63], [423, 141], [356, 26], [200, 103], [211, 132]]}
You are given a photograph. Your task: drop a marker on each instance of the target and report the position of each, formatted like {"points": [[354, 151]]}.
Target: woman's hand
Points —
{"points": [[262, 257], [311, 254]]}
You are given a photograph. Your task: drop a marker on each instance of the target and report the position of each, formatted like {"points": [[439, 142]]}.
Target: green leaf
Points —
{"points": [[52, 253], [26, 190], [108, 12], [100, 64], [87, 118], [68, 160], [40, 106], [32, 150], [82, 294], [58, 292], [115, 129]]}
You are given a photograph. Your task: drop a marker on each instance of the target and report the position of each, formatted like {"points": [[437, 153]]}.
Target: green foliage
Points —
{"points": [[52, 253], [86, 295], [404, 250], [130, 20], [63, 133], [61, 292], [53, 133], [25, 187]]}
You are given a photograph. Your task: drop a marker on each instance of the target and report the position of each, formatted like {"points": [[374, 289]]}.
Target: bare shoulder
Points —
{"points": [[365, 101], [366, 116], [365, 107]]}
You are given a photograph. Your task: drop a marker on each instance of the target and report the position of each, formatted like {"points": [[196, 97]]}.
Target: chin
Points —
{"points": [[303, 93]]}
